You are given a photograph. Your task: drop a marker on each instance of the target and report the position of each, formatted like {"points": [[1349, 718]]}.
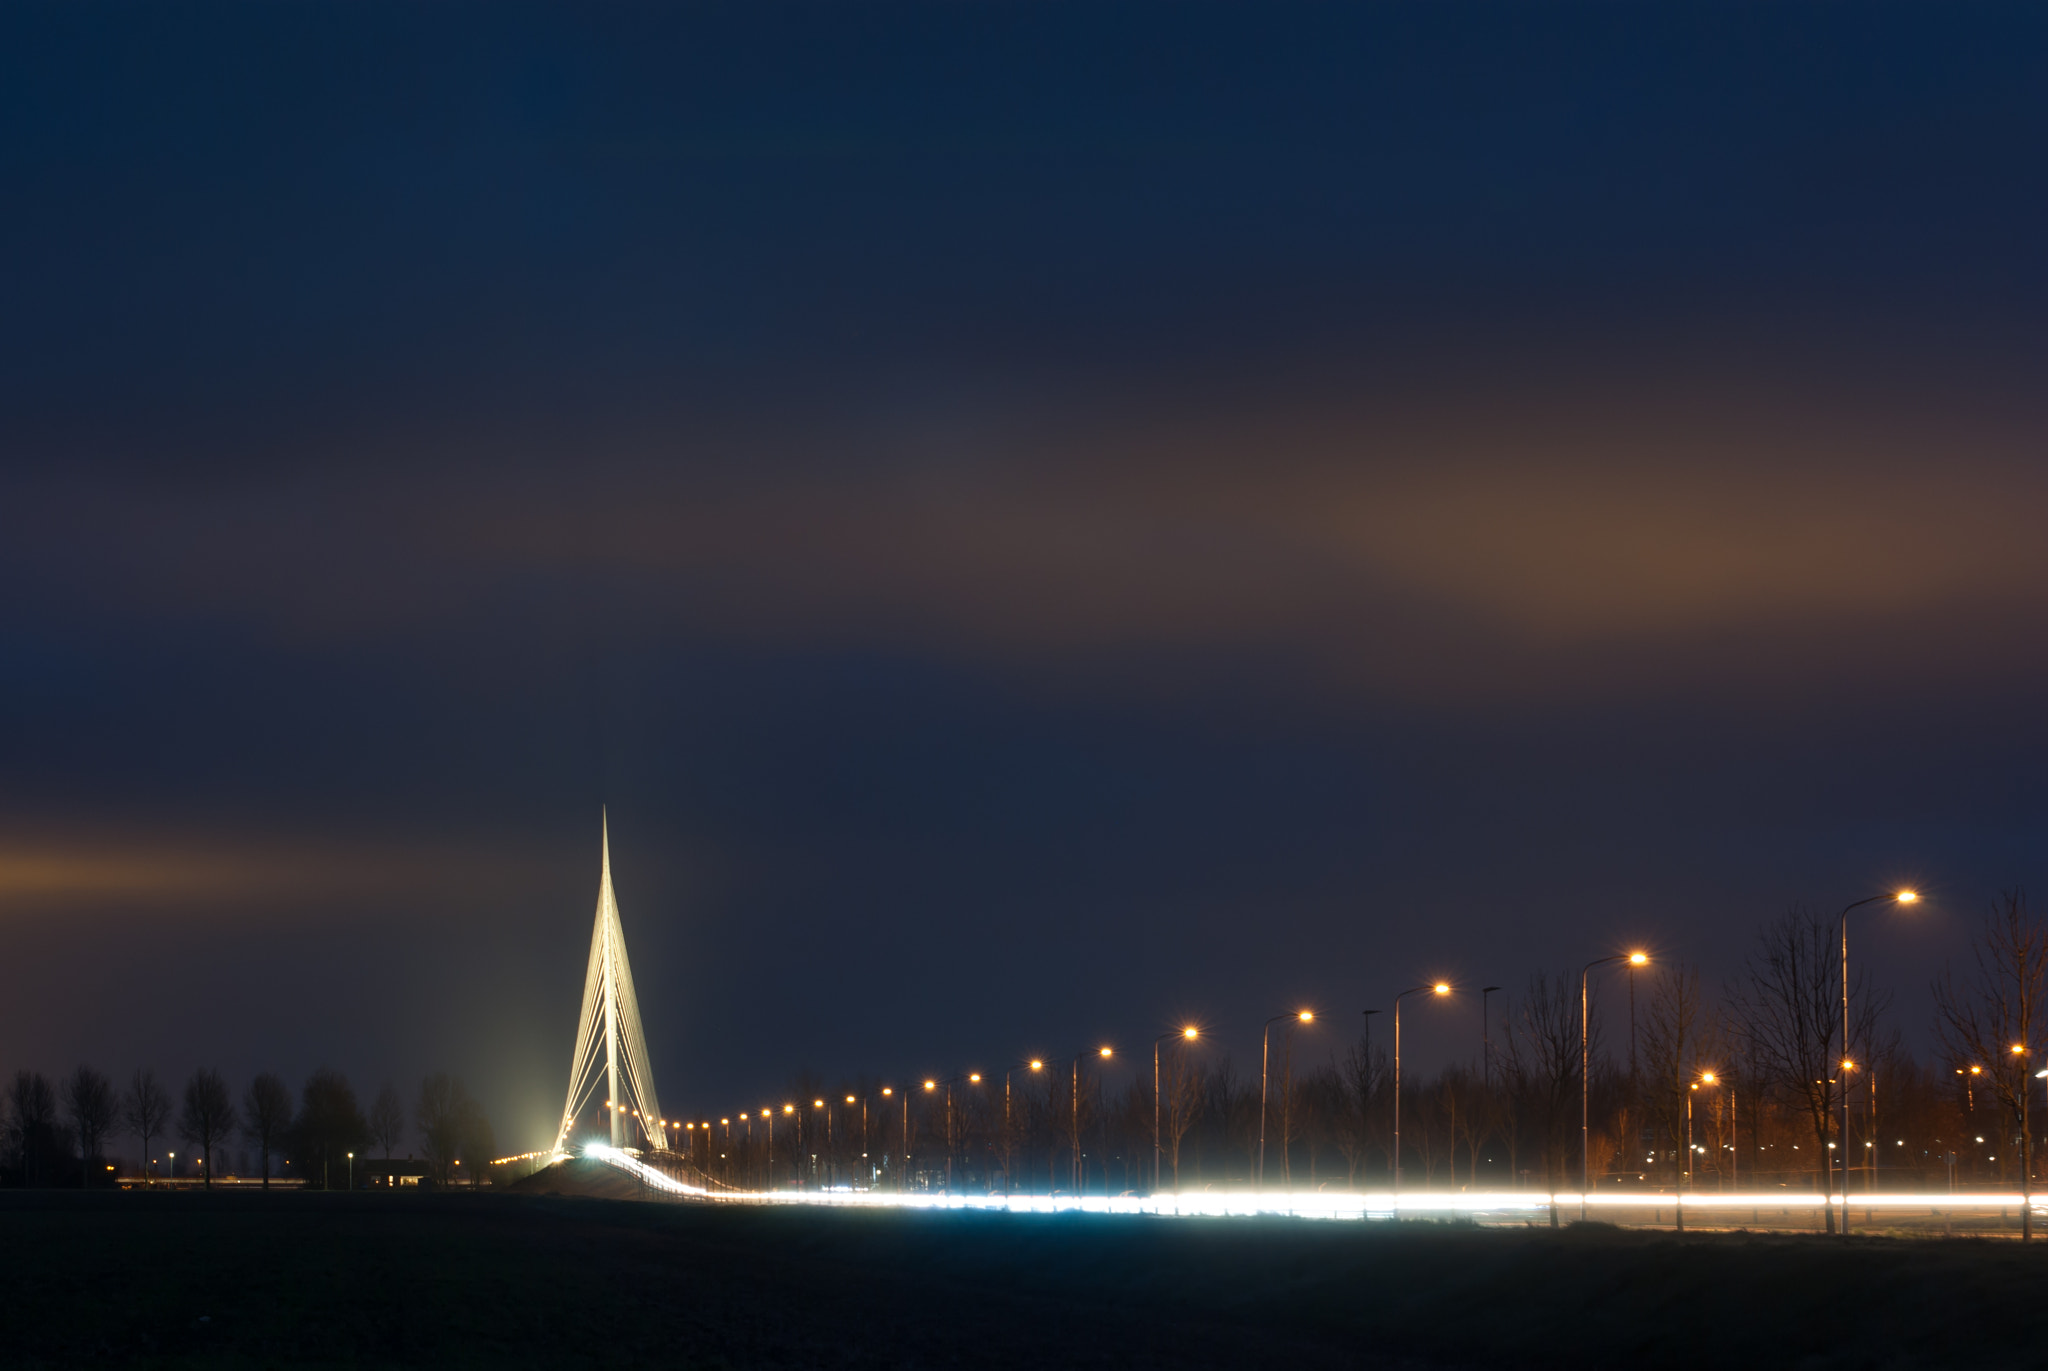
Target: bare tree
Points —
{"points": [[1181, 1105], [89, 1098], [439, 1118], [474, 1139], [1681, 1036], [1989, 1019], [1789, 1009], [266, 1117], [1362, 1080], [208, 1117], [1467, 1103], [31, 1124], [1541, 1068], [387, 1119], [146, 1110], [330, 1123]]}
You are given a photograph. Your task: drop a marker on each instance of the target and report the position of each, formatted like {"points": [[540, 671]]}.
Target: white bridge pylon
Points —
{"points": [[610, 1047]]}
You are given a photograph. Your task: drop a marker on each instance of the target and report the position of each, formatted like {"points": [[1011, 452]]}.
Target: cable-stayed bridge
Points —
{"points": [[611, 1046]]}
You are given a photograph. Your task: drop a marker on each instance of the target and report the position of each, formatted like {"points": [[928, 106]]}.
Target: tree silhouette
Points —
{"points": [[387, 1119], [1789, 1006], [89, 1097], [267, 1117], [330, 1123], [146, 1110], [207, 1118], [439, 1118], [31, 1124], [1981, 1021]]}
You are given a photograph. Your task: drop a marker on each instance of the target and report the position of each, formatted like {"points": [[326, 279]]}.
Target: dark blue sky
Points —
{"points": [[1038, 520]]}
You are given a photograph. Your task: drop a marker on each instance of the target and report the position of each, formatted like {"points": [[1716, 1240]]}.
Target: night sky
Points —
{"points": [[1037, 520]]}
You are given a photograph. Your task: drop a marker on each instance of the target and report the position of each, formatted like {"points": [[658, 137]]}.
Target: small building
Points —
{"points": [[381, 1173]]}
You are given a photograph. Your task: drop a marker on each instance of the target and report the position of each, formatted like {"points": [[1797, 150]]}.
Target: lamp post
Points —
{"points": [[1634, 959], [1074, 1118], [1265, 1055], [1441, 988], [1009, 1134], [903, 1161], [2021, 1051], [1486, 1035], [1186, 1035], [1691, 1152], [865, 1165], [351, 1172], [1896, 897], [931, 1087]]}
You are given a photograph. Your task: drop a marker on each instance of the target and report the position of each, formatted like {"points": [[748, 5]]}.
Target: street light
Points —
{"points": [[1439, 989], [1265, 1053], [1186, 1035], [1074, 1115], [1486, 1034], [1903, 897], [1691, 1153], [351, 1172], [1634, 959], [1035, 1064]]}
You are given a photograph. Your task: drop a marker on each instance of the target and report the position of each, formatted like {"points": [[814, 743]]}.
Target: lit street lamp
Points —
{"points": [[1634, 959], [1691, 1153], [1009, 1136], [1265, 1054], [1897, 897], [1186, 1035], [1441, 988]]}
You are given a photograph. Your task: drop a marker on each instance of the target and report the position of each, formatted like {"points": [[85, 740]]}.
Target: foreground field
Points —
{"points": [[534, 1280]]}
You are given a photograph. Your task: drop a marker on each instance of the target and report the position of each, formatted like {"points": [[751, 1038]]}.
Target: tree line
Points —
{"points": [[58, 1134], [1688, 1087]]}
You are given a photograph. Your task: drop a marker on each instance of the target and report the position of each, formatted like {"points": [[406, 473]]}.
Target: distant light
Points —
{"points": [[1908, 897], [1441, 988], [1105, 1052], [1307, 1016], [1191, 1032], [888, 1090], [2019, 1049], [973, 1078], [1976, 1071], [817, 1104], [1707, 1077], [1037, 1065], [849, 1098], [931, 1085], [1638, 959]]}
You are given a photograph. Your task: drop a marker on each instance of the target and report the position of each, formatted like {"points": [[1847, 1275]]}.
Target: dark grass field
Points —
{"points": [[535, 1280]]}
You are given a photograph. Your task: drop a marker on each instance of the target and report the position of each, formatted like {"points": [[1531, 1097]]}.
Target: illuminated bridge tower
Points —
{"points": [[609, 1044]]}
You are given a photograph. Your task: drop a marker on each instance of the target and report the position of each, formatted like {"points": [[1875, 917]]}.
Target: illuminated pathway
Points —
{"points": [[1509, 1207]]}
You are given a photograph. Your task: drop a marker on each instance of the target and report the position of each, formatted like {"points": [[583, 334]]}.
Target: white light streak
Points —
{"points": [[1505, 1205]]}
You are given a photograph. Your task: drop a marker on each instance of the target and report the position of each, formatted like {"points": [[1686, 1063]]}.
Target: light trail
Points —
{"points": [[1503, 1205]]}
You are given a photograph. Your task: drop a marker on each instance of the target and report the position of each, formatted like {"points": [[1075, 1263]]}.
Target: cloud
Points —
{"points": [[107, 871], [1557, 537]]}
